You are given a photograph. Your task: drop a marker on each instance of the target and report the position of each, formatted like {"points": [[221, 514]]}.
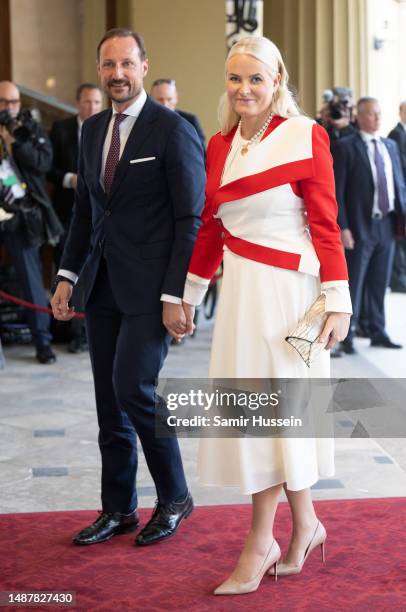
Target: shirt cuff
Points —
{"points": [[172, 299], [66, 180], [338, 297], [195, 289], [67, 274]]}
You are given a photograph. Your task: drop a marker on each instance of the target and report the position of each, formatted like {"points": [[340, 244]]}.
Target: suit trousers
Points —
{"points": [[369, 269], [28, 267], [127, 353]]}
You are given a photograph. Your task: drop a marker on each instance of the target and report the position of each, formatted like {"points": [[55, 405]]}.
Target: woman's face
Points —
{"points": [[249, 86]]}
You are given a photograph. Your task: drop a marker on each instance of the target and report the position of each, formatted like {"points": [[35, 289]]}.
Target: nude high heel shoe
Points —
{"points": [[318, 539], [232, 587]]}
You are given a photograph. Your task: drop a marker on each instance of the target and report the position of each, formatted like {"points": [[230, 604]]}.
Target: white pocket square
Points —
{"points": [[141, 159]]}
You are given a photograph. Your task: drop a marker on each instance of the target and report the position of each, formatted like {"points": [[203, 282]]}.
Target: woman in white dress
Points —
{"points": [[269, 181]]}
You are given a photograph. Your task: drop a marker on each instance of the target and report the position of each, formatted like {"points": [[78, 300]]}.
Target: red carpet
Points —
{"points": [[365, 569]]}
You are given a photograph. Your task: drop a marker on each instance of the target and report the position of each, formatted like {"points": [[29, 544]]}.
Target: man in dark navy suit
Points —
{"points": [[398, 134], [65, 137], [137, 210], [370, 193], [164, 91]]}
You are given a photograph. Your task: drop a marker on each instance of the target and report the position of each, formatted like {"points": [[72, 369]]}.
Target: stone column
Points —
{"points": [[323, 42]]}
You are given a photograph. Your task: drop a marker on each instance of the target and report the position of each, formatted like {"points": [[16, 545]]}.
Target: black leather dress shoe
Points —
{"points": [[106, 526], [45, 355], [77, 346], [165, 521], [348, 347], [385, 343]]}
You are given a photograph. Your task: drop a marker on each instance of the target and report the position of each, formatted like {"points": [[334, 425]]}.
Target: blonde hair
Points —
{"points": [[267, 52]]}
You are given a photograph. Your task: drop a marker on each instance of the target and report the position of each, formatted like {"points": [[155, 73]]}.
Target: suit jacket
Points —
{"points": [[355, 186], [194, 120], [65, 145], [147, 225], [288, 173], [398, 134]]}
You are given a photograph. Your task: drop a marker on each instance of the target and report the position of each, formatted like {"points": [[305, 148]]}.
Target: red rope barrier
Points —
{"points": [[15, 300], [78, 315]]}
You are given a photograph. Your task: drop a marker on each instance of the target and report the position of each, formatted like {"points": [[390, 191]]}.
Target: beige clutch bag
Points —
{"points": [[304, 337]]}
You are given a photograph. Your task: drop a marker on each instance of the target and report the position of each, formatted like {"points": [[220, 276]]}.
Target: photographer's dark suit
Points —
{"points": [[140, 237], [398, 278], [370, 262], [64, 137], [31, 160]]}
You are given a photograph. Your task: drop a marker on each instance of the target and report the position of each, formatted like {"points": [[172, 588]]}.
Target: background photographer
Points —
{"points": [[27, 216], [336, 114]]}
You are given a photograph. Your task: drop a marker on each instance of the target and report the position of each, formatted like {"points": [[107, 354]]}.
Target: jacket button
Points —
{"points": [[223, 235], [107, 213]]}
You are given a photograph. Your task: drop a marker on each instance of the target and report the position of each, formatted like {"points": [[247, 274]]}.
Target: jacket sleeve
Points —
{"points": [[184, 165], [321, 207], [34, 155], [78, 240], [208, 251], [400, 187], [56, 174]]}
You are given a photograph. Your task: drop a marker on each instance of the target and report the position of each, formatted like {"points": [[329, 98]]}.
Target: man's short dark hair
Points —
{"points": [[366, 100], [158, 82], [124, 33], [84, 86]]}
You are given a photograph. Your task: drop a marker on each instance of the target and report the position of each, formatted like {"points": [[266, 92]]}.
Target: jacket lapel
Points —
{"points": [[215, 172], [361, 147], [138, 135], [100, 135]]}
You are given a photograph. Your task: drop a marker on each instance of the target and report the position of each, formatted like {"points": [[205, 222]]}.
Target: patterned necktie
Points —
{"points": [[382, 185], [113, 155]]}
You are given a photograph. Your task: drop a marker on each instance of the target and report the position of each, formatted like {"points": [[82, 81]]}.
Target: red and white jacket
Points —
{"points": [[280, 190]]}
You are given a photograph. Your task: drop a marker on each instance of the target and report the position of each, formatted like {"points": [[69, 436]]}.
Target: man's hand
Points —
{"points": [[174, 319], [189, 311], [59, 302], [335, 329], [347, 239], [6, 136], [73, 181]]}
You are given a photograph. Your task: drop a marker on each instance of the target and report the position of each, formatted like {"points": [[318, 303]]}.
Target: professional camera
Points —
{"points": [[23, 127], [338, 102]]}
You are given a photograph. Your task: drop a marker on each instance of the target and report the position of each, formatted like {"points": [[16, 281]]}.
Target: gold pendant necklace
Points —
{"points": [[257, 136]]}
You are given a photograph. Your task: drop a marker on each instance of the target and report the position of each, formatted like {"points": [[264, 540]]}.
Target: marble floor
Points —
{"points": [[49, 458]]}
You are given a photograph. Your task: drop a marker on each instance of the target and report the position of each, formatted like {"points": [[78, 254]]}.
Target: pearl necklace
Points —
{"points": [[257, 136]]}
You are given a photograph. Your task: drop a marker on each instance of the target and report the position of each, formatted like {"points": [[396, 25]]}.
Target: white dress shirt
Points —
{"points": [[368, 138], [125, 128]]}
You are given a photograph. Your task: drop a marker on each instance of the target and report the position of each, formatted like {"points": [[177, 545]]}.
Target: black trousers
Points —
{"points": [[127, 353], [28, 267], [369, 269]]}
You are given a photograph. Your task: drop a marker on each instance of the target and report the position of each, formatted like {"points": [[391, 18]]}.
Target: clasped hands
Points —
{"points": [[178, 319]]}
